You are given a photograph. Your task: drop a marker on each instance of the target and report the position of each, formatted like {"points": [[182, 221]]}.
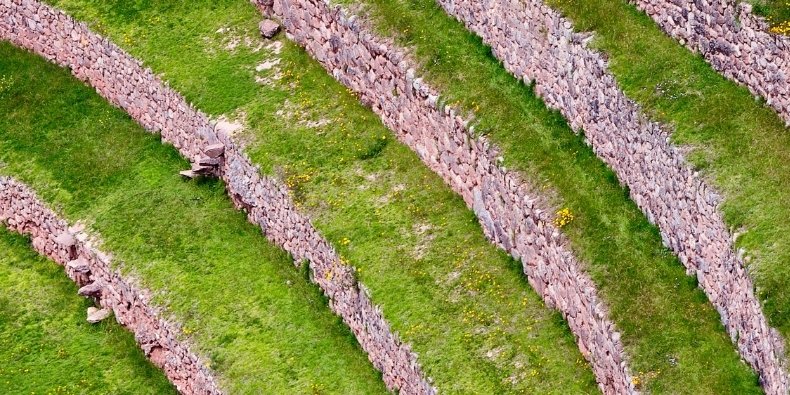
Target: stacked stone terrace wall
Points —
{"points": [[733, 40], [536, 44], [511, 214], [21, 211], [123, 81]]}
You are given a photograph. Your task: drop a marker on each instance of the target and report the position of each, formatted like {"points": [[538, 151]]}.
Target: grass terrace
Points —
{"points": [[462, 303], [243, 303], [665, 318], [739, 143], [464, 306], [777, 12], [47, 347]]}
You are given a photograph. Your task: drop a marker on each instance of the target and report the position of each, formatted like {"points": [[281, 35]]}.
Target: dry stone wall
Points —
{"points": [[122, 80], [733, 40], [21, 211], [536, 44], [512, 215]]}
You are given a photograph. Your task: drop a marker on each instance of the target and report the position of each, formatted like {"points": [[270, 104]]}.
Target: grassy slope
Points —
{"points": [[664, 317], [465, 306], [672, 332], [47, 347], [257, 317], [777, 12], [740, 144]]}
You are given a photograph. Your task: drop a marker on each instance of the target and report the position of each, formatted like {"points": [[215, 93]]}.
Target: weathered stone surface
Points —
{"points": [[79, 265], [269, 28], [98, 315], [198, 168], [206, 161], [91, 290], [214, 150], [65, 239]]}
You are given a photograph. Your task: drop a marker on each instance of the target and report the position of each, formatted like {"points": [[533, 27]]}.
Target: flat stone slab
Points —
{"points": [[79, 265], [197, 168], [66, 239], [214, 150], [269, 28], [207, 161], [90, 290], [97, 315]]}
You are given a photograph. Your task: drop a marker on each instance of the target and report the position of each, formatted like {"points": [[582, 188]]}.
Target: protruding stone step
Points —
{"points": [[79, 265], [202, 170], [97, 315], [188, 174], [206, 161], [214, 150], [91, 290], [269, 28]]}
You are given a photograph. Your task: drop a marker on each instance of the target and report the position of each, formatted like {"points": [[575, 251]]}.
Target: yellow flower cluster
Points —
{"points": [[316, 389], [475, 317], [782, 28], [296, 180], [415, 330], [563, 218], [639, 379]]}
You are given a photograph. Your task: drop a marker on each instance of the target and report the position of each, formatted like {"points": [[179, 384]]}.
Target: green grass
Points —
{"points": [[777, 12], [263, 325], [663, 316], [464, 306], [47, 347], [740, 144], [450, 282]]}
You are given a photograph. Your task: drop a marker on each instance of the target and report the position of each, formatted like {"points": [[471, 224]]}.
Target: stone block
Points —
{"points": [[269, 28]]}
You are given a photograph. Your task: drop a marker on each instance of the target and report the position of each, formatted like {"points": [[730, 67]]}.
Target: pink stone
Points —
{"points": [[214, 150], [97, 315], [268, 28]]}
